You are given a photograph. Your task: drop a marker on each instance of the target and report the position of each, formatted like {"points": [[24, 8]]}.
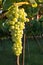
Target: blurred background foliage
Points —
{"points": [[34, 25]]}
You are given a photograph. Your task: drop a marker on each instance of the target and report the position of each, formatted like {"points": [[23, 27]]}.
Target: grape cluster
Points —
{"points": [[16, 20]]}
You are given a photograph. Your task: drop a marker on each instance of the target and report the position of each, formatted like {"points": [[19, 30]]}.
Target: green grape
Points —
{"points": [[16, 20]]}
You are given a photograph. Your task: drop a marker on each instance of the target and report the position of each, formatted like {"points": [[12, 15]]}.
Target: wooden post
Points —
{"points": [[24, 50]]}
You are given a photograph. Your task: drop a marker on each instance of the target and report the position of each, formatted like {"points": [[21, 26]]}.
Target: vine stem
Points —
{"points": [[18, 63]]}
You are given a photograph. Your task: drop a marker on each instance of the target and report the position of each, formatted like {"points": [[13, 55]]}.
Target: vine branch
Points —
{"points": [[21, 3]]}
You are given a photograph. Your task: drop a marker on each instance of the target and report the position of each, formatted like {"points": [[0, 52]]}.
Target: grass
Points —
{"points": [[33, 55], [6, 55]]}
